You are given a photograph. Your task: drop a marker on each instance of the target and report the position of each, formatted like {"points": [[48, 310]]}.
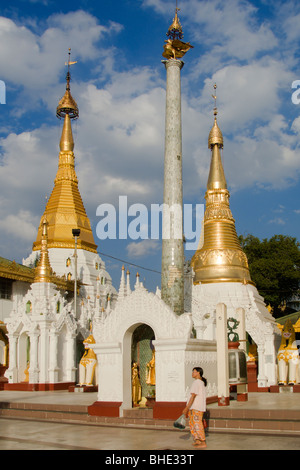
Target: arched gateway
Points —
{"points": [[176, 353]]}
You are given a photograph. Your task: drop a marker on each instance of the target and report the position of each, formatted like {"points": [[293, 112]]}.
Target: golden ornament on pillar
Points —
{"points": [[174, 47]]}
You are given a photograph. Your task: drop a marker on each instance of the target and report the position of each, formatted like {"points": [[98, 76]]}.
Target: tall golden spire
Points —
{"points": [[65, 210], [43, 271], [220, 259]]}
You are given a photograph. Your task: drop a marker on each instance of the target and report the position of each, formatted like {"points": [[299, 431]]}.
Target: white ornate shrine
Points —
{"points": [[176, 353]]}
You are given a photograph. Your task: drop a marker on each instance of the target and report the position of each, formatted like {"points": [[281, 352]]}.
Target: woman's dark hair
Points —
{"points": [[200, 370]]}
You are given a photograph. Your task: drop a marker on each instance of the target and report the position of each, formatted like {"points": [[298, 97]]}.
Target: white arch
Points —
{"points": [[140, 307], [175, 350]]}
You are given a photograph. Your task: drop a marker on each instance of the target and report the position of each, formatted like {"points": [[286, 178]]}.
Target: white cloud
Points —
{"points": [[22, 225], [143, 248], [277, 221], [230, 28], [33, 62]]}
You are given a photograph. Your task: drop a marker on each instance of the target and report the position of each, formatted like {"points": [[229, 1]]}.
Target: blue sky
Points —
{"points": [[249, 48]]}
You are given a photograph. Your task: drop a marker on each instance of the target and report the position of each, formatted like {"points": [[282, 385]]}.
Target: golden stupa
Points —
{"points": [[65, 210], [43, 271], [220, 258]]}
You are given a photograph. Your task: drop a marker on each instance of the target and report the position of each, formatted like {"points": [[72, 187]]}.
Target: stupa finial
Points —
{"points": [[174, 47], [67, 104]]}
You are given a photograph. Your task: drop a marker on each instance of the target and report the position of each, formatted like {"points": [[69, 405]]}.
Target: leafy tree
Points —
{"points": [[274, 266]]}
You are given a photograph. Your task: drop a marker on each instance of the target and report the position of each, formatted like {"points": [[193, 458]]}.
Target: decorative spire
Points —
{"points": [[216, 178], [220, 258], [128, 290], [43, 271], [174, 47], [215, 135], [122, 290], [65, 209], [175, 30], [67, 105]]}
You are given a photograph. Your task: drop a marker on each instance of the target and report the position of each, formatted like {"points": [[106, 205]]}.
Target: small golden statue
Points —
{"points": [[175, 49], [88, 363], [26, 372], [136, 385], [252, 353], [4, 339], [150, 379]]}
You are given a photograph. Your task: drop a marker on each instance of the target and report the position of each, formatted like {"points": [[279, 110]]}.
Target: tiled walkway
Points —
{"points": [[31, 435], [40, 435]]}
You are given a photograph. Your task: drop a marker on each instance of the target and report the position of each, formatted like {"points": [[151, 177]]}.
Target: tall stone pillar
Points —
{"points": [[172, 280]]}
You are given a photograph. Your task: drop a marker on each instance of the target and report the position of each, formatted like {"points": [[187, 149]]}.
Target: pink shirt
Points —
{"points": [[198, 388]]}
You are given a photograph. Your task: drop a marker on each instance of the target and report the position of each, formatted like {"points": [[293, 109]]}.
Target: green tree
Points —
{"points": [[274, 266]]}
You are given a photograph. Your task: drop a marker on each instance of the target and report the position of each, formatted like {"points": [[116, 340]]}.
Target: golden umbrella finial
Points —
{"points": [[215, 135], [215, 98], [67, 104], [175, 30]]}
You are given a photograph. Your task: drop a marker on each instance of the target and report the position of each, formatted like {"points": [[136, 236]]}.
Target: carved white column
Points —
{"points": [[44, 354], [222, 355], [12, 372], [53, 367], [34, 367], [71, 367], [262, 380], [241, 329]]}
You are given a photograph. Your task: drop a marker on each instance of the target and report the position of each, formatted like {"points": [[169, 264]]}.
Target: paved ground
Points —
{"points": [[16, 434], [30, 435]]}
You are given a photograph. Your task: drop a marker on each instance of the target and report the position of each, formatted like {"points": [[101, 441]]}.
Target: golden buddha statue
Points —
{"points": [[26, 372], [136, 385], [150, 380]]}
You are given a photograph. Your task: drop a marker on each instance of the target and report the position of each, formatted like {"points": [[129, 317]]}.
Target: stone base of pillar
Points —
{"points": [[168, 409], [252, 376], [242, 397], [30, 387], [3, 380], [110, 409], [223, 401], [83, 388]]}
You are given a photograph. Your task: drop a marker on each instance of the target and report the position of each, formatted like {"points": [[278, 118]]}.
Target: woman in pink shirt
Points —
{"points": [[196, 406]]}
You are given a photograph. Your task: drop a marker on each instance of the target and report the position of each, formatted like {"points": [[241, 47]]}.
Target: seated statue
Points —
{"points": [[288, 357], [88, 363]]}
